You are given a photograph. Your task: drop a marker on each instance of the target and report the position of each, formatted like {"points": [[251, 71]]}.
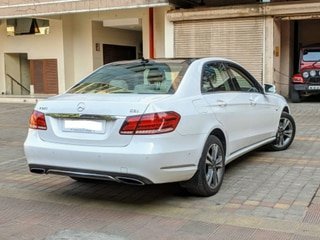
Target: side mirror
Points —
{"points": [[269, 88]]}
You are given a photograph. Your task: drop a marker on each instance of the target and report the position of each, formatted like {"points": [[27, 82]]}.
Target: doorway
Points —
{"points": [[296, 32], [17, 73], [112, 53]]}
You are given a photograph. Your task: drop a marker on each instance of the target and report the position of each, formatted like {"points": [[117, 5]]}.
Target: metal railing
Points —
{"points": [[13, 80]]}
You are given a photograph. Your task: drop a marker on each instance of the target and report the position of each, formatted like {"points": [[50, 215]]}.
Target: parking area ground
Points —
{"points": [[265, 195]]}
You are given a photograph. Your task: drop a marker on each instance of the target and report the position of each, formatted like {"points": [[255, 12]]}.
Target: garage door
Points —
{"points": [[238, 39]]}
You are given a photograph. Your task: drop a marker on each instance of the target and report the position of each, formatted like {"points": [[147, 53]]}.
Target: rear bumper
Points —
{"points": [[91, 174], [149, 159]]}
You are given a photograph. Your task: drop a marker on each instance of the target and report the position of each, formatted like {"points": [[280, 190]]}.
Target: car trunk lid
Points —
{"points": [[91, 120]]}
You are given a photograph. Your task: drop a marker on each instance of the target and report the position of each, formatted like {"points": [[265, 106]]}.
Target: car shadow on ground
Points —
{"points": [[137, 195]]}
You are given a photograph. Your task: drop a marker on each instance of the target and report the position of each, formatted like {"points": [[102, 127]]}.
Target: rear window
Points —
{"points": [[311, 55], [134, 77]]}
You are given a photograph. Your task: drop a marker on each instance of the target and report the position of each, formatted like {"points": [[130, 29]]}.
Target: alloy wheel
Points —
{"points": [[214, 165], [285, 132]]}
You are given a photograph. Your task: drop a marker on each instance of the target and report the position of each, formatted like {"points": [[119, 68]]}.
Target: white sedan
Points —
{"points": [[158, 121]]}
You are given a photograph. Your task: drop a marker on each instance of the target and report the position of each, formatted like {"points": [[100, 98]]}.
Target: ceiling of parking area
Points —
{"points": [[212, 3], [19, 8]]}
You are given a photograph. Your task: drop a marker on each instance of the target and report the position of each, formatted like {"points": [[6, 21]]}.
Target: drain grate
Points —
{"points": [[313, 214]]}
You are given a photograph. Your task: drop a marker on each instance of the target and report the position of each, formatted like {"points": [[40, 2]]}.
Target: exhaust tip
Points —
{"points": [[38, 170], [131, 181]]}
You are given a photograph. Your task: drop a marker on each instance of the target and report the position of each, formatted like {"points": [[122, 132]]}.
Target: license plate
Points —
{"points": [[314, 87], [84, 126]]}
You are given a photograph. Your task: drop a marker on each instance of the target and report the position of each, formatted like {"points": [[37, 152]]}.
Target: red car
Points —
{"points": [[307, 81]]}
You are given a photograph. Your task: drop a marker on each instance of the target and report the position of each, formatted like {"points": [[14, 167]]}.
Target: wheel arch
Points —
{"points": [[286, 109], [220, 134]]}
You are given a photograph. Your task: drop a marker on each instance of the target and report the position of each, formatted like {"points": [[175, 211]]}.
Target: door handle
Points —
{"points": [[222, 103], [252, 102]]}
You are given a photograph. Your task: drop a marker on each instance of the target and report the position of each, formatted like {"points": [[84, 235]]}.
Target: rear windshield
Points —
{"points": [[311, 55], [134, 77]]}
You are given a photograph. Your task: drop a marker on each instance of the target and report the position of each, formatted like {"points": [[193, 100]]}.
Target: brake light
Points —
{"points": [[297, 78], [37, 121], [152, 123]]}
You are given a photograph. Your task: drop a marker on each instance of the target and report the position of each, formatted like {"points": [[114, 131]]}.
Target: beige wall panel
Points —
{"points": [[68, 51], [12, 68], [82, 46], [286, 63], [277, 54], [36, 46], [106, 35]]}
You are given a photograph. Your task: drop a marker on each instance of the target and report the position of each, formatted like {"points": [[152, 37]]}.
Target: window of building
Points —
{"points": [[24, 26]]}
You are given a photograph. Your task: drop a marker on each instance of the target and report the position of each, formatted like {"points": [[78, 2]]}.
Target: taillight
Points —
{"points": [[37, 121], [152, 123], [297, 78]]}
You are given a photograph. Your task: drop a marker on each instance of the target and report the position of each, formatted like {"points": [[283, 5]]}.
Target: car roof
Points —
{"points": [[204, 59]]}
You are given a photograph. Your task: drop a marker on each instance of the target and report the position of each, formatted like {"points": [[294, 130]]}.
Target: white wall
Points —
{"points": [[36, 46], [163, 33], [277, 54], [68, 50], [286, 64], [12, 67], [82, 31], [142, 13], [105, 35], [72, 41]]}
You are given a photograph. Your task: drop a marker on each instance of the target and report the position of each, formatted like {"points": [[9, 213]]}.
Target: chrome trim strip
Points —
{"points": [[179, 166], [63, 172], [83, 116]]}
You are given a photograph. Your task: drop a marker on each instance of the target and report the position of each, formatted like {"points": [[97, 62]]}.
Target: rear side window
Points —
{"points": [[243, 82], [215, 78], [134, 78]]}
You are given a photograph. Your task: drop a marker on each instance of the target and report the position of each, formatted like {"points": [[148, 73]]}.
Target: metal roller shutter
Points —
{"points": [[238, 39]]}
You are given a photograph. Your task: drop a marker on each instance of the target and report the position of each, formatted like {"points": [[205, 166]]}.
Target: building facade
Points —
{"points": [[263, 36], [46, 46]]}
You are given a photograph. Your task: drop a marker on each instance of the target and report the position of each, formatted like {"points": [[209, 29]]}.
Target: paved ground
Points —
{"points": [[265, 195]]}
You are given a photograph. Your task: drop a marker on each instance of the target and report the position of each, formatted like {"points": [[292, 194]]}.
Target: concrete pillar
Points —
{"points": [[286, 64], [268, 50], [2, 65], [67, 26], [163, 34], [169, 38], [82, 46], [277, 54]]}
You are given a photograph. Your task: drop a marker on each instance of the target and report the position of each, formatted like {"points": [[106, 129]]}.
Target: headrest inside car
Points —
{"points": [[155, 76]]}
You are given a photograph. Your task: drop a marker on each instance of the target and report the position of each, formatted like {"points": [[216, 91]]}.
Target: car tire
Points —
{"points": [[209, 176], [285, 134], [295, 96]]}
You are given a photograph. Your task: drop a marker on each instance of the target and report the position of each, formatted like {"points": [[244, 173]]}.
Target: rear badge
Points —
{"points": [[81, 106], [134, 111]]}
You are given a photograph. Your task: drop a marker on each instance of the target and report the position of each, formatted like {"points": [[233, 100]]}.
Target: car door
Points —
{"points": [[230, 107], [262, 113]]}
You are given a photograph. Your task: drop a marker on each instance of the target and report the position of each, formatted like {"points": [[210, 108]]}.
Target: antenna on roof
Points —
{"points": [[144, 61]]}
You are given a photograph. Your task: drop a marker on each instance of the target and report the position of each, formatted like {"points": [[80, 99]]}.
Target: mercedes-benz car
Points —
{"points": [[158, 121]]}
